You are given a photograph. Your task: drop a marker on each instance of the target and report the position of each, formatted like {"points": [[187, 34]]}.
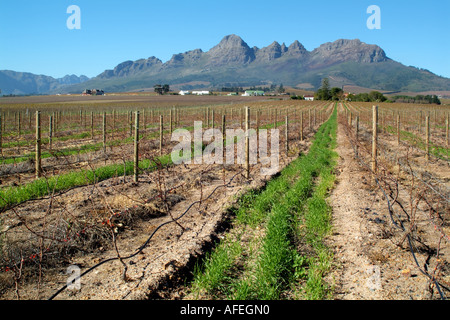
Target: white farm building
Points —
{"points": [[201, 93], [250, 93]]}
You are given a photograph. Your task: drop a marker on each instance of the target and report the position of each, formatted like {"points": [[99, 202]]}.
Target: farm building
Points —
{"points": [[183, 93], [309, 98], [250, 93], [93, 92], [200, 93]]}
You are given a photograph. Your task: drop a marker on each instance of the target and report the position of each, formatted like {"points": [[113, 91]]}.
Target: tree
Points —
{"points": [[376, 96], [273, 87], [324, 92], [281, 89], [435, 99], [159, 89], [336, 94]]}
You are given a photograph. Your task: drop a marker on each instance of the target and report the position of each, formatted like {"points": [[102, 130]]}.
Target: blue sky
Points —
{"points": [[35, 38]]}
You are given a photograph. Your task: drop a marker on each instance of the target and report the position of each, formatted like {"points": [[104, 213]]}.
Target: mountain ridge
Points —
{"points": [[233, 62], [18, 83]]}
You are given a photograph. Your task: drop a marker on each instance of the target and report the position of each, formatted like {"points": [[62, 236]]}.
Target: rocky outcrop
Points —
{"points": [[231, 51], [131, 68], [343, 50]]}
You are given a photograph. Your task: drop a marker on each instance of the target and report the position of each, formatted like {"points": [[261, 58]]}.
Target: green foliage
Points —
{"points": [[161, 89], [324, 92], [427, 99], [373, 96]]}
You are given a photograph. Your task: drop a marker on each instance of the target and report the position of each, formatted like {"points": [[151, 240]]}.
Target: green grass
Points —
{"points": [[435, 150], [44, 186], [295, 199]]}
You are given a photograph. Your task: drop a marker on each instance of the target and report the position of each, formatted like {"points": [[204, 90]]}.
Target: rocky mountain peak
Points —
{"points": [[296, 48], [350, 50], [269, 53], [231, 50]]}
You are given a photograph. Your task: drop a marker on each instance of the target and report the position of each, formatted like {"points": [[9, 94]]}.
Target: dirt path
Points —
{"points": [[354, 268], [369, 263]]}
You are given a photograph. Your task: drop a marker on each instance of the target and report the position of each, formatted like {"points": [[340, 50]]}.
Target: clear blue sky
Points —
{"points": [[35, 38]]}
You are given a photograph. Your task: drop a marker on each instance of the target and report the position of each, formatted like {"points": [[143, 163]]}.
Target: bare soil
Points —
{"points": [[372, 258]]}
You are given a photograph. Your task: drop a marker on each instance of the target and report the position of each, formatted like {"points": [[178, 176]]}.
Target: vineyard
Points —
{"points": [[93, 187]]}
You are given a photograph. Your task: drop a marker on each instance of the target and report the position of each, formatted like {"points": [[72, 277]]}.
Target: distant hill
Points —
{"points": [[234, 63], [20, 83]]}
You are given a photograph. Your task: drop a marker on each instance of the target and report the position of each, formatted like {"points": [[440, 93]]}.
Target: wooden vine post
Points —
{"points": [[309, 120], [92, 125], [287, 134], [224, 119], [247, 142], [356, 136], [374, 139], [1, 148], [427, 138], [19, 123], [136, 147], [301, 126], [104, 132], [50, 131], [446, 129], [38, 145], [161, 128], [170, 121]]}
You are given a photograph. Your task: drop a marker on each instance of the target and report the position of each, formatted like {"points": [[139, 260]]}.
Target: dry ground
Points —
{"points": [[370, 263]]}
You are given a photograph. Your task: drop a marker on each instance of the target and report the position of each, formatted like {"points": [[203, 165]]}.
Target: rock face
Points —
{"points": [[296, 49], [129, 68], [270, 53], [232, 50], [182, 59], [347, 50]]}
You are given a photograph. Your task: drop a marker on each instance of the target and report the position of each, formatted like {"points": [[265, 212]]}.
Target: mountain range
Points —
{"points": [[18, 83], [234, 63]]}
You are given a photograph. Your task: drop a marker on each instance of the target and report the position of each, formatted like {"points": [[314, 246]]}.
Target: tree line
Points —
{"points": [[337, 94], [420, 99]]}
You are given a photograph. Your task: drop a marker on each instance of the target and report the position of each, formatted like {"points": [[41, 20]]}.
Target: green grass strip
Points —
{"points": [[281, 205], [44, 186]]}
